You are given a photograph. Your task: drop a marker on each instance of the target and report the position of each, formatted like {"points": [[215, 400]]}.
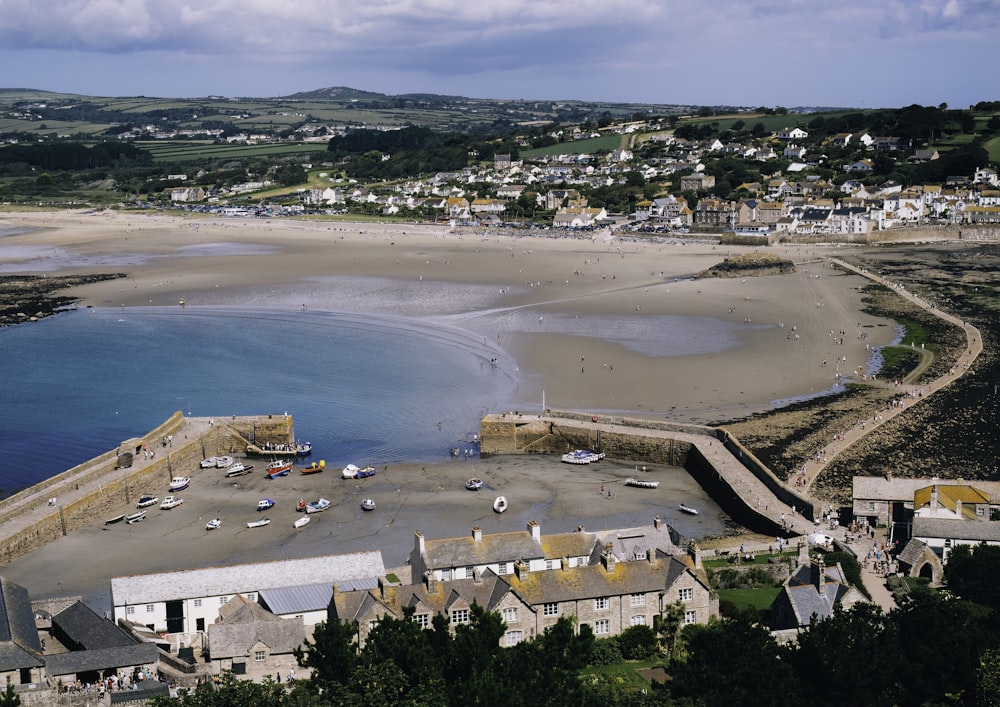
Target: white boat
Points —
{"points": [[258, 523], [171, 502], [136, 518], [238, 470], [582, 456], [115, 519], [147, 501], [303, 521], [213, 524], [642, 483], [684, 508], [350, 471], [500, 504], [474, 484], [279, 467], [368, 504], [209, 462], [179, 483], [223, 462], [317, 506]]}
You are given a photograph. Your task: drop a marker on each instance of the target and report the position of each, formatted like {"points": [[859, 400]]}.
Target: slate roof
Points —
{"points": [[912, 553], [234, 579], [956, 529], [88, 631], [493, 547], [591, 582], [626, 543], [19, 643], [101, 659], [806, 600], [301, 599], [251, 625]]}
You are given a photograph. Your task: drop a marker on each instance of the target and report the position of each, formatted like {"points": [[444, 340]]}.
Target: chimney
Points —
{"points": [[536, 530], [608, 558], [420, 546], [694, 552], [431, 582], [934, 498], [383, 590], [817, 574], [477, 577], [521, 569], [958, 507], [580, 529], [657, 522], [477, 533]]}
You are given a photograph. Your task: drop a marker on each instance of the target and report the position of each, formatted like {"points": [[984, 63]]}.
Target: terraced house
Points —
{"points": [[608, 581]]}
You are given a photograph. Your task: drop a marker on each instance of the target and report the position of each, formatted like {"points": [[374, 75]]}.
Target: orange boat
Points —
{"points": [[314, 468]]}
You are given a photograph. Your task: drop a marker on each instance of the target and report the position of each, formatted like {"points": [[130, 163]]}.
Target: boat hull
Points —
{"points": [[500, 504], [301, 522]]}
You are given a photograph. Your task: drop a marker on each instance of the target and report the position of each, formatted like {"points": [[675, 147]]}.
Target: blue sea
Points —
{"points": [[366, 389]]}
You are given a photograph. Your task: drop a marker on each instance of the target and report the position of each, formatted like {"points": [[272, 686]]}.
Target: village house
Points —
{"points": [[579, 217], [792, 134], [252, 642], [812, 591], [696, 181]]}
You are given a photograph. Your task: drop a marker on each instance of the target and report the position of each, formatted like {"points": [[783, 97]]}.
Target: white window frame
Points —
{"points": [[638, 620], [422, 620], [510, 615], [602, 627], [602, 604], [686, 594], [460, 616], [638, 600], [259, 656], [150, 608], [550, 609], [690, 617], [512, 638]]}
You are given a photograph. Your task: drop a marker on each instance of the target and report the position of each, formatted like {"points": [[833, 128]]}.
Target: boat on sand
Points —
{"points": [[474, 484], [302, 522], [368, 504], [500, 504], [136, 518], [264, 504], [317, 506], [314, 468], [179, 483], [258, 523], [171, 502], [147, 501], [213, 524], [642, 483], [279, 467], [690, 510]]}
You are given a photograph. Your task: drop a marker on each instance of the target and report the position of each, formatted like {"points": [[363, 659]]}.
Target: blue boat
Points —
{"points": [[264, 504]]}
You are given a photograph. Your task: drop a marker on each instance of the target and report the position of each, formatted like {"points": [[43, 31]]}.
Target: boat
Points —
{"points": [[365, 472], [179, 483], [500, 504], [304, 520], [209, 462], [350, 471], [474, 484], [115, 519], [213, 524], [684, 508], [303, 449], [317, 506], [264, 504], [641, 483], [314, 468], [223, 462], [368, 504], [258, 523], [171, 502], [582, 456], [146, 501], [238, 470], [301, 505], [279, 467], [136, 518]]}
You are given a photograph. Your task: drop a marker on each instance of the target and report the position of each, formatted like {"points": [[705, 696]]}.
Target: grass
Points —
{"points": [[757, 598], [197, 150], [993, 147], [898, 361], [611, 141], [623, 673], [759, 559]]}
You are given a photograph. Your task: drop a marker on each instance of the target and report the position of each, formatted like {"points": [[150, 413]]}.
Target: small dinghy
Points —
{"points": [[302, 522], [213, 524], [368, 504], [258, 523], [500, 504]]}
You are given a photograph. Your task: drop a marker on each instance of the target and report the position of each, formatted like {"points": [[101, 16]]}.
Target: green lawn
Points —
{"points": [[611, 141], [622, 673], [759, 598], [993, 147]]}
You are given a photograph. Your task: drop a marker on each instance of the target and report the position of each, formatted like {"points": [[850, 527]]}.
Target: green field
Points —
{"points": [[759, 598], [611, 141], [189, 151]]}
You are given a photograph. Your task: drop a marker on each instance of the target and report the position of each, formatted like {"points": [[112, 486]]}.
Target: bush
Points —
{"points": [[637, 643], [606, 652]]}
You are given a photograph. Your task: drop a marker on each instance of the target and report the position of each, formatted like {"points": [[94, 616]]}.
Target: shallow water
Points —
{"points": [[363, 389]]}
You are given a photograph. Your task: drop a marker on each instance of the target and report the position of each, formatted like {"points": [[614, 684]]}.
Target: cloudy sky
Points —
{"points": [[862, 53]]}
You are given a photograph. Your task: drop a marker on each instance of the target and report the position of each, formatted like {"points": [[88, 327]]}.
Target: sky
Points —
{"points": [[850, 53]]}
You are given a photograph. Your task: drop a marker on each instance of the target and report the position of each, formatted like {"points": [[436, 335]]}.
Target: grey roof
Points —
{"points": [[879, 488], [806, 600], [912, 553], [19, 643], [956, 529], [220, 581], [252, 625], [101, 659], [298, 600], [82, 627], [627, 542], [466, 551]]}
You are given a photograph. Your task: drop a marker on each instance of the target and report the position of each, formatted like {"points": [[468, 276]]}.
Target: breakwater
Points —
{"points": [[110, 483], [740, 483]]}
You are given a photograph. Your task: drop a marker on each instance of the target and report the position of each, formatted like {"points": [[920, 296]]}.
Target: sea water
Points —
{"points": [[364, 389]]}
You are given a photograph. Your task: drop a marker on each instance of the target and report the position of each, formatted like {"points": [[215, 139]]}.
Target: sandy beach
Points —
{"points": [[594, 324]]}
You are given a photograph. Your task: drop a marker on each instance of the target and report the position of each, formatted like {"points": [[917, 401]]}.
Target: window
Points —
{"points": [[638, 621], [690, 617], [258, 656], [423, 620], [149, 608], [512, 638], [871, 505], [446, 575], [550, 564], [687, 594], [223, 600], [460, 616], [980, 511], [551, 609], [129, 610], [372, 624], [197, 602], [638, 600], [252, 596], [470, 572], [602, 627], [502, 569], [602, 603], [510, 615]]}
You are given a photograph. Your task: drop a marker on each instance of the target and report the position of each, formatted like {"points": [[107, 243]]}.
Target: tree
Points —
{"points": [[973, 573], [9, 698], [332, 654]]}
